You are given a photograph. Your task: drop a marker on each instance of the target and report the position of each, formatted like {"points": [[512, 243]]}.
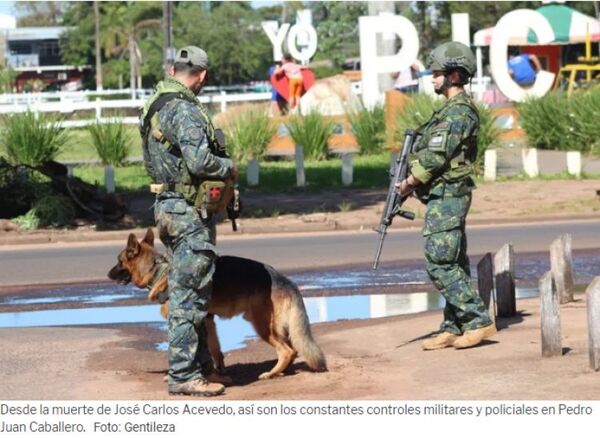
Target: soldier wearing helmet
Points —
{"points": [[441, 177]]}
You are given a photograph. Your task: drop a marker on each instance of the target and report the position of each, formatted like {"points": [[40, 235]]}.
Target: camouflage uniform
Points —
{"points": [[182, 151], [443, 164]]}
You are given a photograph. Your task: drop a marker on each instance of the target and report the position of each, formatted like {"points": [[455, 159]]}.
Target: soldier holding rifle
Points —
{"points": [[440, 176]]}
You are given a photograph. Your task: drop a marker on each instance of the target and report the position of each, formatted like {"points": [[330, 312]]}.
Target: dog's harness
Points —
{"points": [[162, 268]]}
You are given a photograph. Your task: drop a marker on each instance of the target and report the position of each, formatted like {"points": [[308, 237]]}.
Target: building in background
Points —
{"points": [[33, 53]]}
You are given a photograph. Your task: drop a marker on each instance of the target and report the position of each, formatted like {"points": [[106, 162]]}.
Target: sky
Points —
{"points": [[6, 7]]}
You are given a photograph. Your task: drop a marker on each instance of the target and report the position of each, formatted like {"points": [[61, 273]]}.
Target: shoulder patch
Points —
{"points": [[437, 141]]}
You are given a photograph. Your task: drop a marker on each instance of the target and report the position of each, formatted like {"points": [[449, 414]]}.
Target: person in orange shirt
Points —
{"points": [[294, 75]]}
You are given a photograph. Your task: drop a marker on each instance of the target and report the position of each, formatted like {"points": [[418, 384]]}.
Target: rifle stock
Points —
{"points": [[394, 201]]}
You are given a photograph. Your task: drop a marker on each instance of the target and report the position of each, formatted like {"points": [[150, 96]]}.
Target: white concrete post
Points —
{"points": [[592, 295], [550, 317], [299, 157], [489, 165], [223, 102], [574, 163], [252, 173], [530, 162], [347, 171], [109, 178]]}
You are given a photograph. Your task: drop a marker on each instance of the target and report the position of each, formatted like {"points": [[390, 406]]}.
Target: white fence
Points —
{"points": [[69, 102]]}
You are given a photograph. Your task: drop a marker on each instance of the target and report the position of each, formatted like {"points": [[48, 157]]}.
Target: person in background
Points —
{"points": [[294, 74], [406, 80], [279, 106], [523, 68]]}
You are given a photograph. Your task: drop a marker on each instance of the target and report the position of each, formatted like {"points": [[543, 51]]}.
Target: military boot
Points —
{"points": [[197, 387], [470, 338], [443, 340], [219, 378]]}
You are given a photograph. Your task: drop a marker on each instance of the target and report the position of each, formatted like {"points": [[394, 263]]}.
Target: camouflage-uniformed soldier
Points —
{"points": [[441, 177], [181, 151]]}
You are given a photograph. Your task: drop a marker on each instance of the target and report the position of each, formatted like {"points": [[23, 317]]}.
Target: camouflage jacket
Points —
{"points": [[181, 146], [446, 150]]}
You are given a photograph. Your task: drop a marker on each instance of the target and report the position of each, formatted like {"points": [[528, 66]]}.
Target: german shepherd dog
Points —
{"points": [[267, 299]]}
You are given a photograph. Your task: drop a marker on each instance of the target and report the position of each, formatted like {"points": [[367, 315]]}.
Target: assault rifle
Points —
{"points": [[394, 201]]}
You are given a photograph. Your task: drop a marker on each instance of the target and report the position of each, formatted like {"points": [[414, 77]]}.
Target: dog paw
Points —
{"points": [[269, 375]]}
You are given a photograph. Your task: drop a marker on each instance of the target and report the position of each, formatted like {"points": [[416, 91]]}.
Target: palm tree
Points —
{"points": [[124, 26]]}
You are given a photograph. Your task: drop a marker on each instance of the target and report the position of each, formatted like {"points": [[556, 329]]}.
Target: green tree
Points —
{"points": [[36, 13], [231, 33], [337, 29]]}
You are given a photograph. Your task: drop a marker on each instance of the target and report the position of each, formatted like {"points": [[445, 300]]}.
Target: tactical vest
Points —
{"points": [[163, 160], [460, 166]]}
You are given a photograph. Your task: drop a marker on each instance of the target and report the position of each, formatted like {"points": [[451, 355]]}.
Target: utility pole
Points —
{"points": [[167, 25], [99, 86], [597, 9], [386, 43]]}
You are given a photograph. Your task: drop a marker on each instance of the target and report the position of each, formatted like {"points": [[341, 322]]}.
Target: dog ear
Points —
{"points": [[149, 237], [133, 247]]}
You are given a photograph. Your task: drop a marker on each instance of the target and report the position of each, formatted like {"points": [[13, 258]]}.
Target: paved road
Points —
{"points": [[38, 264]]}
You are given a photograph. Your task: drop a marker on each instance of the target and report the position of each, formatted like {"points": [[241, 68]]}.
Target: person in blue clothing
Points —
{"points": [[279, 105], [523, 68]]}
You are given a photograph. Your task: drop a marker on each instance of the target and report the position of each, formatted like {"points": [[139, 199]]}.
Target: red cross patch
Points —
{"points": [[214, 193]]}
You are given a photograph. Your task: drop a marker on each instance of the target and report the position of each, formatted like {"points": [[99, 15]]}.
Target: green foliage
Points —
{"points": [[30, 139], [489, 133], [556, 121], [48, 211], [337, 27], [312, 132], [7, 79], [369, 128], [231, 33], [111, 141], [415, 113], [249, 134], [325, 71]]}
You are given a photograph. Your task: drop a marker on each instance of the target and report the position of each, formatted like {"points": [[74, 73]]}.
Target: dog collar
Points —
{"points": [[162, 268]]}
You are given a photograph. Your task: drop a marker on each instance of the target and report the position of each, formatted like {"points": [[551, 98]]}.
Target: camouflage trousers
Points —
{"points": [[190, 247], [448, 264]]}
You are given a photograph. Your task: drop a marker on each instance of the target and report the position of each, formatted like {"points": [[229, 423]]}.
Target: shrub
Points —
{"points": [[30, 139], [369, 129], [48, 211], [312, 132], [111, 141], [557, 121], [249, 134]]}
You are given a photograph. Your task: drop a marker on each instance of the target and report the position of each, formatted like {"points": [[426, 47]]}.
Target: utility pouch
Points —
{"points": [[213, 196]]}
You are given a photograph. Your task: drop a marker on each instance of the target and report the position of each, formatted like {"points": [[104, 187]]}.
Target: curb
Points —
{"points": [[255, 229]]}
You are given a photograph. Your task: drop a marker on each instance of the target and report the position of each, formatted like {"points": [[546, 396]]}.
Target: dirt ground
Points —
{"points": [[493, 203], [375, 359]]}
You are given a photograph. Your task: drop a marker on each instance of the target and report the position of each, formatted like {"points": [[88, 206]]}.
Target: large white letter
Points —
{"points": [[302, 32], [517, 24], [371, 64], [276, 36]]}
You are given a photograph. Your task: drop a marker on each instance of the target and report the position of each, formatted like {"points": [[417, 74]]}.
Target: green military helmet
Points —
{"points": [[452, 55]]}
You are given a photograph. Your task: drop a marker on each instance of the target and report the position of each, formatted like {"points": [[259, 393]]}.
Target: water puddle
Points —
{"points": [[234, 332]]}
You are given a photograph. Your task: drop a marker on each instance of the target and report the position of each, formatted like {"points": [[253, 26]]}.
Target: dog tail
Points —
{"points": [[301, 336]]}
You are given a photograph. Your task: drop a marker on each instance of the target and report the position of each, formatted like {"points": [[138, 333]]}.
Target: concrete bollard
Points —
{"points": [[299, 157], [592, 295], [485, 283], [347, 171], [252, 173], [561, 265], [550, 317], [109, 178], [530, 162], [490, 163], [504, 270], [574, 163]]}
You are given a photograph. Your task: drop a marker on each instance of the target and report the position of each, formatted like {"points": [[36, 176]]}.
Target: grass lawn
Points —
{"points": [[275, 176], [80, 146]]}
